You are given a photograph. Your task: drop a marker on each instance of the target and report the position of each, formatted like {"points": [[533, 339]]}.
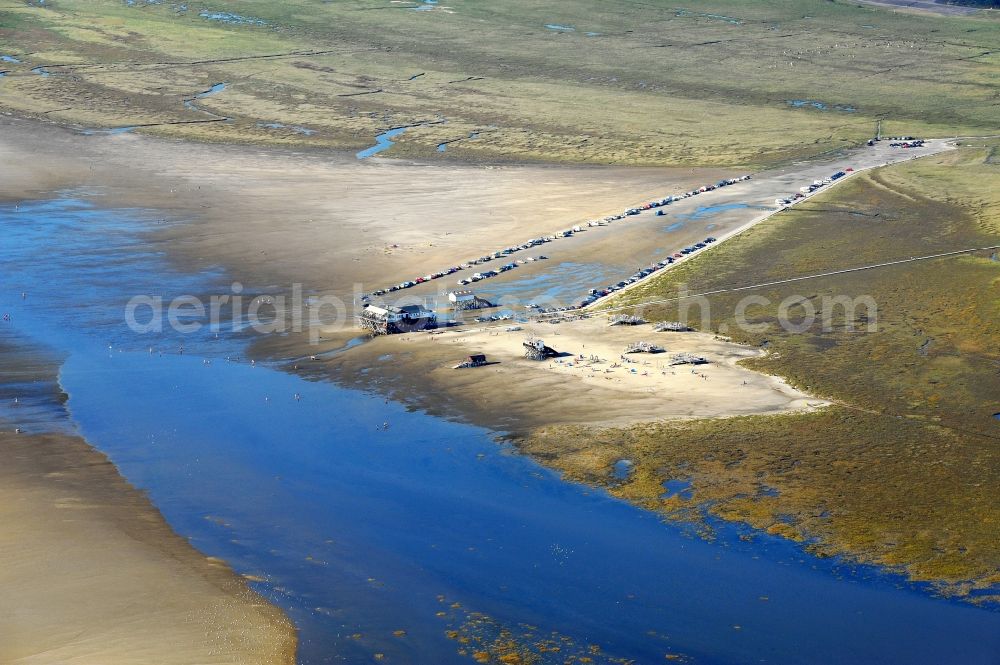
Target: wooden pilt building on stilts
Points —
{"points": [[535, 349], [380, 320]]}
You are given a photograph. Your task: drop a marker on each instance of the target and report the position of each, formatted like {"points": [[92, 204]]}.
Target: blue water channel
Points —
{"points": [[382, 142], [365, 518]]}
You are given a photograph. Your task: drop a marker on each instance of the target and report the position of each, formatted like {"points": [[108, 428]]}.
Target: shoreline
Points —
{"points": [[85, 553], [513, 394], [226, 235]]}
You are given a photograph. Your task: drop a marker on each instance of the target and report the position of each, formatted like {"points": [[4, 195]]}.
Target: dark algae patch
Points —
{"points": [[902, 470]]}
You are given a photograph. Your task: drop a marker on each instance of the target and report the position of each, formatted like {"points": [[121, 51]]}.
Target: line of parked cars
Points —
{"points": [[908, 143], [809, 189]]}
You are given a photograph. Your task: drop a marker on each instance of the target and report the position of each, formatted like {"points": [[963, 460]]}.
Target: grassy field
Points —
{"points": [[903, 470], [710, 83]]}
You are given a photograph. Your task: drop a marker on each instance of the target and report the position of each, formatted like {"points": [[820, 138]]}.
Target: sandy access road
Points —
{"points": [[924, 7], [599, 256], [518, 394]]}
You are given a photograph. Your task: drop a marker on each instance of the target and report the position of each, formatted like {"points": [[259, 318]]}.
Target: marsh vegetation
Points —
{"points": [[898, 472], [630, 83]]}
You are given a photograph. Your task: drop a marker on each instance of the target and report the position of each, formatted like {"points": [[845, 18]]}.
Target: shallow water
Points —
{"points": [[560, 284], [358, 529]]}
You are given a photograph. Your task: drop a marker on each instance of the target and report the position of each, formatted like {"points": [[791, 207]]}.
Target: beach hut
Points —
{"points": [[473, 360]]}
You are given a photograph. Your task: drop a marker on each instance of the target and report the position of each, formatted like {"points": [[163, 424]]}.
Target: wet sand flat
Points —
{"points": [[324, 219], [93, 575]]}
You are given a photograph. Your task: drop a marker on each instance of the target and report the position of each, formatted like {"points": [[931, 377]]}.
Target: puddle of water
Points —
{"points": [[559, 28], [357, 528], [559, 285], [214, 90], [9, 58], [766, 490], [441, 147], [382, 142], [997, 415], [41, 71], [593, 34], [680, 488], [716, 17], [622, 469], [305, 131], [701, 212], [230, 18], [426, 6], [821, 106], [110, 131], [673, 227]]}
